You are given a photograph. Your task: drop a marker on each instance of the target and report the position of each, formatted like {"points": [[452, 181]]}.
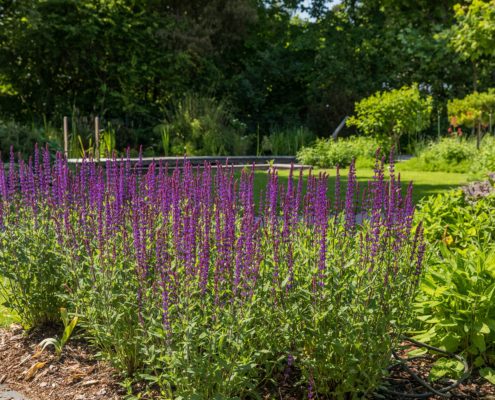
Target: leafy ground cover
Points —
{"points": [[455, 307]]}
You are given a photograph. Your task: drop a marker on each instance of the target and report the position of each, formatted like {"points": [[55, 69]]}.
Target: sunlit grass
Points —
{"points": [[425, 183]]}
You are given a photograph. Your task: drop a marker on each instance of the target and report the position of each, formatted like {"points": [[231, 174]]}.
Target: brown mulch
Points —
{"points": [[75, 376]]}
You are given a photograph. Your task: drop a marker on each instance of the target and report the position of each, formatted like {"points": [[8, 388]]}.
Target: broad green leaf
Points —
{"points": [[478, 361], [450, 342], [488, 374], [479, 341], [485, 329], [445, 367]]}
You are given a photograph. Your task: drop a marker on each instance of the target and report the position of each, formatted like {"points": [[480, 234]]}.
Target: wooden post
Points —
{"points": [[97, 138], [66, 137]]}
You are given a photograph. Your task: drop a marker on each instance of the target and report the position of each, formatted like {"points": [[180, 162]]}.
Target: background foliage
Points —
{"points": [[455, 306], [269, 64], [391, 114]]}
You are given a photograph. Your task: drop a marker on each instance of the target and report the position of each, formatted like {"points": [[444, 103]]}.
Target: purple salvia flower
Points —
{"points": [[3, 182], [46, 178], [12, 175], [337, 190], [288, 218], [37, 165], [204, 261], [309, 200], [311, 384], [322, 225], [350, 214]]}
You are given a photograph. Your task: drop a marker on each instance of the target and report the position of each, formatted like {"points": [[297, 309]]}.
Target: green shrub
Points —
{"points": [[473, 111], [327, 153], [484, 162], [453, 218], [23, 138], [447, 155], [198, 125], [388, 115]]}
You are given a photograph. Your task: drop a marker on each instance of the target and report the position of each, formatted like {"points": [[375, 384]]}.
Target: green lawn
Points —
{"points": [[425, 183]]}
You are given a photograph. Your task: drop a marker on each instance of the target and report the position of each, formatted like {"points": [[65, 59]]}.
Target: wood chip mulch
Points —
{"points": [[75, 376]]}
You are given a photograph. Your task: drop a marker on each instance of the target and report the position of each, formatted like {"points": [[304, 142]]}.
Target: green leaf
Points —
{"points": [[417, 352], [479, 341], [488, 374], [450, 342], [485, 329], [445, 367], [478, 361]]}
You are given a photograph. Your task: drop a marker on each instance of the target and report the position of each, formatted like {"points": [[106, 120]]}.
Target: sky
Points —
{"points": [[307, 3]]}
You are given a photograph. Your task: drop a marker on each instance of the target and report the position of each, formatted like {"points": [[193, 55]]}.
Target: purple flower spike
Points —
{"points": [[350, 212]]}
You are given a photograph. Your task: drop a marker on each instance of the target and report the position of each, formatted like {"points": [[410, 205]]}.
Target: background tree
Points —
{"points": [[389, 115], [134, 61], [475, 111], [473, 35]]}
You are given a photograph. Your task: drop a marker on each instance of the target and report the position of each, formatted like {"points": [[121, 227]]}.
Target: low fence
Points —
{"points": [[260, 162]]}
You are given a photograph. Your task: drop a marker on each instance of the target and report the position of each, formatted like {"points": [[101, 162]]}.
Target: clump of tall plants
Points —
{"points": [[180, 278]]}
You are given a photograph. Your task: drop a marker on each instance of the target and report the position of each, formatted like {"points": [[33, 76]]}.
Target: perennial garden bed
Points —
{"points": [[182, 280]]}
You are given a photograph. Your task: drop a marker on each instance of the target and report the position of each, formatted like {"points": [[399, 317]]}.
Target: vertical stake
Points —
{"points": [[66, 137], [97, 138]]}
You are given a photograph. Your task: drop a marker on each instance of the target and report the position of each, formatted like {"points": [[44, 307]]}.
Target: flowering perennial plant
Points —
{"points": [[180, 277]]}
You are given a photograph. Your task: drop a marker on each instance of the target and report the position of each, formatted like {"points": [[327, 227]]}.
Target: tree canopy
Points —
{"points": [[134, 61], [391, 114]]}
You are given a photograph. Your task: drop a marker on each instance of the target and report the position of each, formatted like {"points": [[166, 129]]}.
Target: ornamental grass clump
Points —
{"points": [[180, 278]]}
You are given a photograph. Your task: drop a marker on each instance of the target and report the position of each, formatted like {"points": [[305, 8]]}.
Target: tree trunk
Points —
{"points": [[475, 77]]}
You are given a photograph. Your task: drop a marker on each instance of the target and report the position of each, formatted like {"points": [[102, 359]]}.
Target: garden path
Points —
{"points": [[7, 394]]}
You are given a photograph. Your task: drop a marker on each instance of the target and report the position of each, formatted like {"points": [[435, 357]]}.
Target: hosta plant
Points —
{"points": [[456, 304]]}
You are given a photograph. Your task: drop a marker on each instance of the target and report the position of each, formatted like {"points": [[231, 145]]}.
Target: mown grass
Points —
{"points": [[425, 183]]}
